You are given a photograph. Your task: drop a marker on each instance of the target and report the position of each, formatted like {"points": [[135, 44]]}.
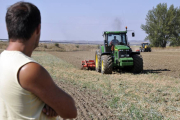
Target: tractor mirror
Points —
{"points": [[133, 34]]}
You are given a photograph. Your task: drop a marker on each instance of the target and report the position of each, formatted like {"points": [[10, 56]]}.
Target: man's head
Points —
{"points": [[114, 37], [22, 19]]}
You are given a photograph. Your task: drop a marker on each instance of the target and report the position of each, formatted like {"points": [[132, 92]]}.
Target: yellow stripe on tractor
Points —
{"points": [[97, 61], [102, 65]]}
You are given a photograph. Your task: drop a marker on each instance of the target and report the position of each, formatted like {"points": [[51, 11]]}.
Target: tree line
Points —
{"points": [[163, 25]]}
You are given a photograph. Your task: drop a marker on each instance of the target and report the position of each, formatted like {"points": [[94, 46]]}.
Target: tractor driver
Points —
{"points": [[113, 43]]}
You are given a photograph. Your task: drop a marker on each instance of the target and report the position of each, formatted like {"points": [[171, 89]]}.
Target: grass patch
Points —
{"points": [[113, 103]]}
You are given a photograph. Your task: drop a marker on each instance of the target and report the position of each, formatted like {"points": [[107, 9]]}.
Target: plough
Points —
{"points": [[88, 64]]}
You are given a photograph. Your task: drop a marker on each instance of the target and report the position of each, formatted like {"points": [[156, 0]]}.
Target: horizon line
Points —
{"points": [[77, 40]]}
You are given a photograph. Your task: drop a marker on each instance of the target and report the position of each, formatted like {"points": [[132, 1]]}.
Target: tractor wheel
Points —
{"points": [[106, 64], [98, 61], [138, 64]]}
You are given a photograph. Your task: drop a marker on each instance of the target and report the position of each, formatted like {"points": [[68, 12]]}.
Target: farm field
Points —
{"points": [[160, 62], [153, 94]]}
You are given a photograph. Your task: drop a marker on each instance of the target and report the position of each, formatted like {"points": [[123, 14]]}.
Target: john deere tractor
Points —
{"points": [[116, 54], [145, 47]]}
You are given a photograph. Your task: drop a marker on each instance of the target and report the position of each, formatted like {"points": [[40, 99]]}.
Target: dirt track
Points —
{"points": [[162, 63]]}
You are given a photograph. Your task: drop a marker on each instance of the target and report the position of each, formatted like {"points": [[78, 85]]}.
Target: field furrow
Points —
{"points": [[88, 104]]}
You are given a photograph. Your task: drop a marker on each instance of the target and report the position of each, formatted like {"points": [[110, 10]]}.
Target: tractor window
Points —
{"points": [[145, 44], [123, 40], [118, 37]]}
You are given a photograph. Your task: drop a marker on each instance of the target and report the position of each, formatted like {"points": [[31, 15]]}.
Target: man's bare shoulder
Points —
{"points": [[32, 73], [32, 68]]}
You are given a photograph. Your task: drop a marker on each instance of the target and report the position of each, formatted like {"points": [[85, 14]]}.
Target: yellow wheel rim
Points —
{"points": [[102, 65], [96, 61]]}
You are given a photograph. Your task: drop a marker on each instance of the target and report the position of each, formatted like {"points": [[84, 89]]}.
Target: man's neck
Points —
{"points": [[19, 46]]}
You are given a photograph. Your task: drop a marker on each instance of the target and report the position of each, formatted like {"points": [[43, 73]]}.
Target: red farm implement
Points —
{"points": [[88, 64]]}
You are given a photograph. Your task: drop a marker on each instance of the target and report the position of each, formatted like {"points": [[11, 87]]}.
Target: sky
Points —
{"points": [[76, 20]]}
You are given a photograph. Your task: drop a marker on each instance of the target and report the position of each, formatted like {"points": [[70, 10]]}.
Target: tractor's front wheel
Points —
{"points": [[143, 50], [98, 61], [138, 64], [106, 64]]}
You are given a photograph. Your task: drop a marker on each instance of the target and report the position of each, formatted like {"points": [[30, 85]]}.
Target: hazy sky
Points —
{"points": [[87, 19]]}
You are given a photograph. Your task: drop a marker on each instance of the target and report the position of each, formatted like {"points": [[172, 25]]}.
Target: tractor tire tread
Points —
{"points": [[108, 64], [138, 64]]}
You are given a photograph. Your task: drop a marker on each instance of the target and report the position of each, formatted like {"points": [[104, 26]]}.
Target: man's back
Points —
{"points": [[16, 102], [26, 88]]}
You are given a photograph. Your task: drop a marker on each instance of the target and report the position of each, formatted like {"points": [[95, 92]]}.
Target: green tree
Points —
{"points": [[162, 25], [175, 39]]}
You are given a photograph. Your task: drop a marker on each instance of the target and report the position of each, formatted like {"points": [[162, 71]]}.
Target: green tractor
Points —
{"points": [[116, 54]]}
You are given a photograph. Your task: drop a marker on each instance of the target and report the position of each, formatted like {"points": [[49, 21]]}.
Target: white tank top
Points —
{"points": [[17, 103]]}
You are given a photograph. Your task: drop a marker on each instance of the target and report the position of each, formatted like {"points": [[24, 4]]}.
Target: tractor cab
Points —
{"points": [[120, 37], [145, 44], [114, 38]]}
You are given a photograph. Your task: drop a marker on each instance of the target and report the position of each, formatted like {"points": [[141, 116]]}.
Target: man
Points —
{"points": [[113, 43], [27, 91]]}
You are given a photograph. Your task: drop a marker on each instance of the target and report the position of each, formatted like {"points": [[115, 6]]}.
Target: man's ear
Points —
{"points": [[38, 30]]}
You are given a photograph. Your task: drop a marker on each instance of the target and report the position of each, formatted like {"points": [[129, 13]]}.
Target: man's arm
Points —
{"points": [[48, 111], [111, 42], [37, 80]]}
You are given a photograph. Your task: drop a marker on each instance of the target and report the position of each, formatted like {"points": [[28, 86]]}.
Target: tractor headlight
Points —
{"points": [[122, 55]]}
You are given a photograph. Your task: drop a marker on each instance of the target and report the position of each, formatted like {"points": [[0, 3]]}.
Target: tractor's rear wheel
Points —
{"points": [[106, 64], [138, 64], [98, 61]]}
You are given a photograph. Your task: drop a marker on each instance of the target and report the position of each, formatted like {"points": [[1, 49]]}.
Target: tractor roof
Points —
{"points": [[114, 32]]}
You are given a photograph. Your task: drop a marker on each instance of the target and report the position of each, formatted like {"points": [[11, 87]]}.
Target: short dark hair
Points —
{"points": [[22, 18]]}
